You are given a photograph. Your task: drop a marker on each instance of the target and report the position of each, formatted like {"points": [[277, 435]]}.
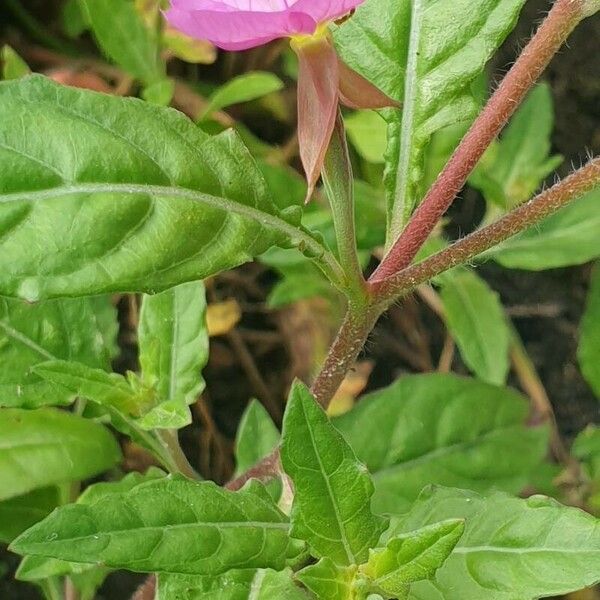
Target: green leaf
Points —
{"points": [[522, 159], [426, 54], [589, 337], [46, 446], [511, 548], [242, 88], [123, 36], [411, 557], [73, 19], [442, 429], [476, 320], [332, 500], [248, 584], [13, 66], [83, 330], [569, 237], [328, 580], [170, 525], [173, 341], [21, 512], [256, 437], [368, 133], [105, 181]]}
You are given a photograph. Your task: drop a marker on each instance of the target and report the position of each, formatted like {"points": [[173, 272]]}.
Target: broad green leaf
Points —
{"points": [[35, 568], [170, 525], [13, 66], [243, 88], [21, 512], [476, 320], [569, 237], [522, 159], [173, 341], [328, 580], [368, 133], [511, 548], [426, 54], [446, 430], [411, 557], [81, 329], [257, 435], [124, 37], [589, 337], [248, 584], [47, 446], [332, 490], [104, 182]]}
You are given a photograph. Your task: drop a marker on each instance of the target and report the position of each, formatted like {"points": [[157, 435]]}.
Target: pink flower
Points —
{"points": [[323, 79], [242, 24]]}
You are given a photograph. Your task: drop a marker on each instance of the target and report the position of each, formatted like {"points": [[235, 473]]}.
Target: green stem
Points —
{"points": [[180, 464], [52, 588], [339, 186]]}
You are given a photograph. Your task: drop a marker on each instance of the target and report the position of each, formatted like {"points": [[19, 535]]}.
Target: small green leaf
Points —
{"points": [[173, 341], [256, 437], [171, 525], [328, 580], [332, 501], [411, 557], [46, 446], [476, 320], [589, 338], [13, 66], [443, 429], [21, 512], [124, 37], [105, 181], [248, 584], [569, 237], [426, 54], [511, 548], [242, 88], [82, 330]]}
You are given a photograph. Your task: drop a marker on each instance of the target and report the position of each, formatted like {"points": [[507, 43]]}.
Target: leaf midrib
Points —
{"points": [[338, 517], [296, 235], [399, 208]]}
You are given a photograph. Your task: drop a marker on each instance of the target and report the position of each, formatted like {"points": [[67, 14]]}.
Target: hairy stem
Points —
{"points": [[551, 35], [466, 249], [338, 182], [350, 339]]}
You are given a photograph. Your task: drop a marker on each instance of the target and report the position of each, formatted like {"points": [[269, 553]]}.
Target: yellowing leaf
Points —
{"points": [[222, 317]]}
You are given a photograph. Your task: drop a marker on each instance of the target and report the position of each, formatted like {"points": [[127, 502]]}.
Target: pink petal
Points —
{"points": [[237, 30], [241, 24]]}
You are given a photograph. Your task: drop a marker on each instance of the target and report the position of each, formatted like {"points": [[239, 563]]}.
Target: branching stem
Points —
{"points": [[536, 56]]}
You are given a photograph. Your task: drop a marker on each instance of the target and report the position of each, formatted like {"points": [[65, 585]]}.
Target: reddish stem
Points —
{"points": [[540, 207], [554, 31]]}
